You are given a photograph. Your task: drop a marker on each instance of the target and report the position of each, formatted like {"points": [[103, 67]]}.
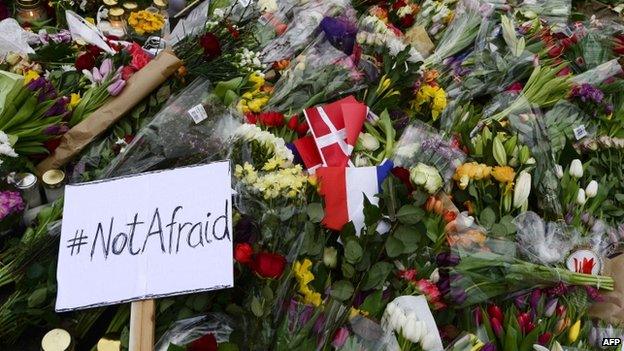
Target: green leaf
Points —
{"points": [[342, 290], [256, 307], [174, 347], [37, 298], [164, 304], [373, 303], [410, 214], [511, 337], [348, 271], [410, 235], [228, 346], [353, 251], [487, 217], [372, 213], [377, 275], [394, 246], [499, 230], [315, 212]]}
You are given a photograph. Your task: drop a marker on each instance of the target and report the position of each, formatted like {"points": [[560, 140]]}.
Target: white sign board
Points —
{"points": [[146, 236]]}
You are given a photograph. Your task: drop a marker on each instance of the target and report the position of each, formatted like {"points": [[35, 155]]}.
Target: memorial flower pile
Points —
{"points": [[405, 175]]}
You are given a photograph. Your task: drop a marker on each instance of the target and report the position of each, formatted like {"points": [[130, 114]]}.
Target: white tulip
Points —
{"points": [[556, 347], [538, 347], [559, 171], [580, 197], [428, 342], [412, 328], [435, 276], [576, 168], [368, 141], [522, 190], [592, 189]]}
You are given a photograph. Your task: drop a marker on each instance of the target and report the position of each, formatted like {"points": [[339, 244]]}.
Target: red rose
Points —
{"points": [[211, 45], [269, 265], [207, 342], [233, 31], [139, 57], [407, 20], [85, 61], [243, 253], [94, 50], [271, 119], [293, 123]]}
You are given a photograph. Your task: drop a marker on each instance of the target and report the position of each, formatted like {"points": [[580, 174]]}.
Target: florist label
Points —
{"points": [[146, 236]]}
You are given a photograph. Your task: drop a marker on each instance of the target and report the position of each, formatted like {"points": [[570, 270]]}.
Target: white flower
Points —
{"points": [[580, 197], [426, 176], [522, 190], [368, 141], [464, 221], [7, 150], [404, 11], [576, 168], [414, 329], [4, 138], [220, 13], [395, 45], [414, 55], [435, 276], [592, 189], [538, 347], [559, 171], [428, 342]]}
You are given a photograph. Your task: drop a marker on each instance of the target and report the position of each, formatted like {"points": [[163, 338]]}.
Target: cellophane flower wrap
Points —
{"points": [[319, 72], [173, 138]]}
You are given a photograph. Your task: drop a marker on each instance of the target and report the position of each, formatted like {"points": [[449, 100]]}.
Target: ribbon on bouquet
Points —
{"points": [[335, 128]]}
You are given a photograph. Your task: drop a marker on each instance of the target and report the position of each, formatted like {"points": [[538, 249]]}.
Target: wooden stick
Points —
{"points": [[142, 324]]}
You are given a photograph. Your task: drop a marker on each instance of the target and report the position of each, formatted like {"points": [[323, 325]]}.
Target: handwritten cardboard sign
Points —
{"points": [[146, 236]]}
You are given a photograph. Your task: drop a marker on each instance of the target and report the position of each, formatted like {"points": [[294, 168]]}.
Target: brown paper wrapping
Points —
{"points": [[417, 36], [140, 85], [611, 309]]}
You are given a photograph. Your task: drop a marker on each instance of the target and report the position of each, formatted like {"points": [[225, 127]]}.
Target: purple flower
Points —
{"points": [[246, 230], [340, 32], [446, 259], [488, 347], [59, 108], [116, 88], [587, 92], [10, 202], [56, 129]]}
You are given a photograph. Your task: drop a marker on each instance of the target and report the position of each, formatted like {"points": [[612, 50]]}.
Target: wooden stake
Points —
{"points": [[142, 324]]}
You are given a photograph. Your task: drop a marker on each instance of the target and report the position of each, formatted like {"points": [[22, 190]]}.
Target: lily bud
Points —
{"points": [[498, 150], [592, 189], [550, 307], [497, 327], [576, 168], [580, 197], [522, 190], [524, 154], [510, 144]]}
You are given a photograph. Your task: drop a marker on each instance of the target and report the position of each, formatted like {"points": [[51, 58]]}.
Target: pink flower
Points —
{"points": [[116, 88], [340, 337]]}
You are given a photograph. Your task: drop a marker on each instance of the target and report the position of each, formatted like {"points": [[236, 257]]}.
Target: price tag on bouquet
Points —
{"points": [[145, 236]]}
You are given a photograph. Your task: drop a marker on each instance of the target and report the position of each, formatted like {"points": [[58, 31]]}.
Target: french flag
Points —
{"points": [[344, 188]]}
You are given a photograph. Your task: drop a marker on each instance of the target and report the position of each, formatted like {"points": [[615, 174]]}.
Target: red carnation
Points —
{"points": [[269, 265], [139, 57], [211, 45], [207, 342], [251, 117], [243, 253], [271, 119], [127, 72], [293, 123], [85, 61]]}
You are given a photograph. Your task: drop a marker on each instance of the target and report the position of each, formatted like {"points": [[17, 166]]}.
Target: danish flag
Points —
{"points": [[335, 128]]}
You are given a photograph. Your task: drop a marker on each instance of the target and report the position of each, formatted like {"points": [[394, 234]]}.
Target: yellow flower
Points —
{"points": [[74, 99], [257, 104], [573, 333], [257, 80], [354, 312], [271, 164], [431, 96], [503, 174], [30, 76], [471, 171], [90, 20], [301, 269]]}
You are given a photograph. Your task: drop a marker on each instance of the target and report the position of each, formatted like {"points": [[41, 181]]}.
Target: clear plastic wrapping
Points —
{"points": [[300, 30], [421, 143], [191, 128], [185, 331], [320, 73]]}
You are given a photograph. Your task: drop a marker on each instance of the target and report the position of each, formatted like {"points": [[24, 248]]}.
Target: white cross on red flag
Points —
{"points": [[335, 128]]}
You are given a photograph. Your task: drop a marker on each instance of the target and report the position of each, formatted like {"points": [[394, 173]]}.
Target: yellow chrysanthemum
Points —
{"points": [[471, 171]]}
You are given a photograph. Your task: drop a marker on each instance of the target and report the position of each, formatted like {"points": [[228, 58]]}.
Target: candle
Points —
{"points": [[115, 17], [29, 11]]}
